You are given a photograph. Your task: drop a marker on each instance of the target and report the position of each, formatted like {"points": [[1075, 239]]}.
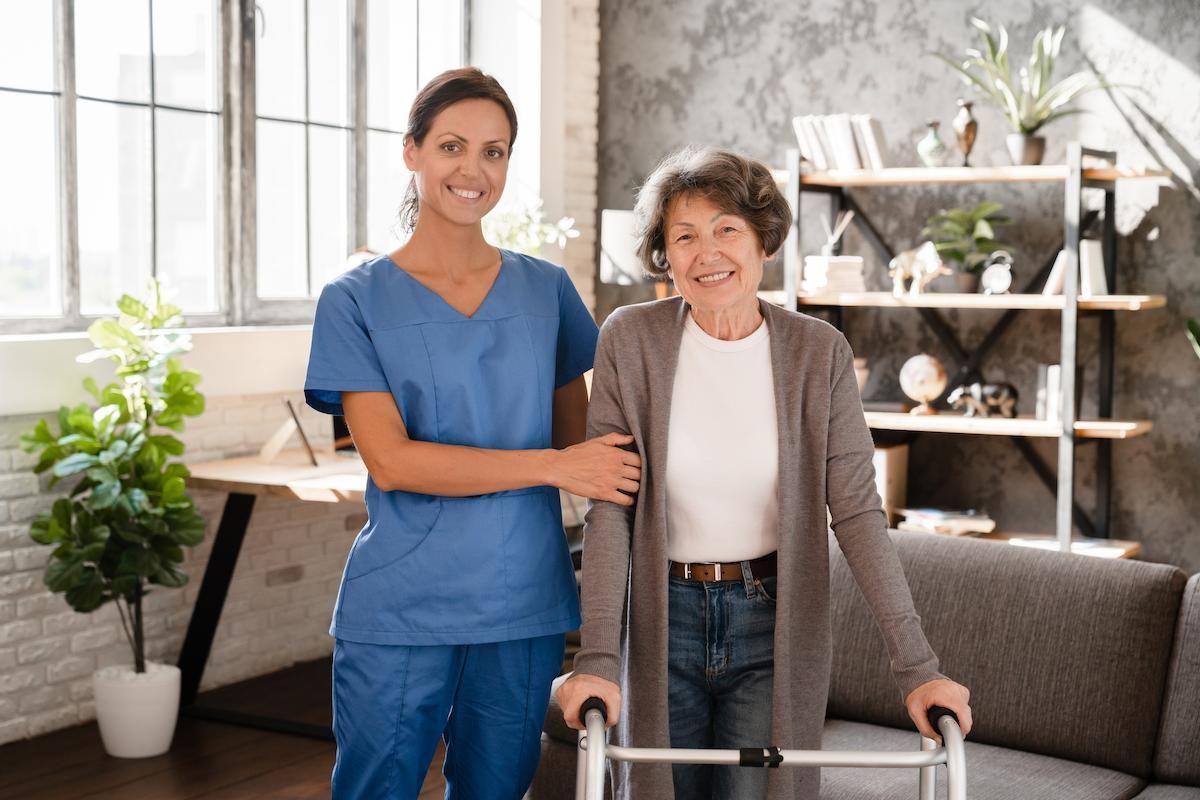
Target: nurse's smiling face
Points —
{"points": [[461, 166]]}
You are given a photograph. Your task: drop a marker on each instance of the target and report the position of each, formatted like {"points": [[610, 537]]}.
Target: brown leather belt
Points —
{"points": [[762, 567]]}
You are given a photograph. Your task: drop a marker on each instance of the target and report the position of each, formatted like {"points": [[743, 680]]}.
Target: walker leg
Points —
{"points": [[928, 775], [580, 768]]}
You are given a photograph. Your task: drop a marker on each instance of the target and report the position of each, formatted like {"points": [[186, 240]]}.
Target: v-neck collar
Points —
{"points": [[504, 257]]}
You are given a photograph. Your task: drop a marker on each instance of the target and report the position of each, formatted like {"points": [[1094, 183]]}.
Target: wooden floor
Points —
{"points": [[207, 759]]}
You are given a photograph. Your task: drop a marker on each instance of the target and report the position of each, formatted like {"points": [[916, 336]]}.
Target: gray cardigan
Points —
{"points": [[825, 459]]}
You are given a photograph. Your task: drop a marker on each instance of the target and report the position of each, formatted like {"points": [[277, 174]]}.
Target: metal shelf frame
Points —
{"points": [[967, 364]]}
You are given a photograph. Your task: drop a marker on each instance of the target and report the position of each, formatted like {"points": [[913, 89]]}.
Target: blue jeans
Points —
{"points": [[487, 701], [721, 665]]}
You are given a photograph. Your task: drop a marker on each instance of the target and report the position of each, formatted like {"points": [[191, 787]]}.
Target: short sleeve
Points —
{"points": [[342, 357], [577, 334]]}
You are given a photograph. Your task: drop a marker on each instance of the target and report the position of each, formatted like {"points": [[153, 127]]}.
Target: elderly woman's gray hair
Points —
{"points": [[734, 184]]}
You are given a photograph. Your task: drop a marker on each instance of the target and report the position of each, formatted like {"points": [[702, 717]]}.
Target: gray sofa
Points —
{"points": [[1085, 677]]}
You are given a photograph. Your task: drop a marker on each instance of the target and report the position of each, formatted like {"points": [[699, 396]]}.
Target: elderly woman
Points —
{"points": [[750, 426]]}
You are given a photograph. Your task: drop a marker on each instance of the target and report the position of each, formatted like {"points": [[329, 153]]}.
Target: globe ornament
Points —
{"points": [[923, 378]]}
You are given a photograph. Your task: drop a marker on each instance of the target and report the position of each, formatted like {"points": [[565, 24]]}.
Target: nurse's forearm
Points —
{"points": [[455, 471]]}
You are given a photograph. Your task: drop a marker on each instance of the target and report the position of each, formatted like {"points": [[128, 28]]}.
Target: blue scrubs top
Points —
{"points": [[455, 570]]}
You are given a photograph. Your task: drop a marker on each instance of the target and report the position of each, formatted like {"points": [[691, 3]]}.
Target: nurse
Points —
{"points": [[459, 368]]}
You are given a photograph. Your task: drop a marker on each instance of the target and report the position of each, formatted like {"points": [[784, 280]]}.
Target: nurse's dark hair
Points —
{"points": [[733, 183], [452, 86]]}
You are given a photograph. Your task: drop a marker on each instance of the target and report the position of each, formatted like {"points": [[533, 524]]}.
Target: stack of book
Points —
{"points": [[833, 275], [949, 522], [840, 141]]}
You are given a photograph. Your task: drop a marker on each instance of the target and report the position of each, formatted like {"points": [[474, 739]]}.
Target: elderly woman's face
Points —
{"points": [[715, 257]]}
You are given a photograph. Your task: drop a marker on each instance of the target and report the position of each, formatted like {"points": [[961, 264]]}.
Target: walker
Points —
{"points": [[590, 767]]}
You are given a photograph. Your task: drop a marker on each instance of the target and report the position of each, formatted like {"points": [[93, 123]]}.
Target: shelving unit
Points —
{"points": [[1099, 173]]}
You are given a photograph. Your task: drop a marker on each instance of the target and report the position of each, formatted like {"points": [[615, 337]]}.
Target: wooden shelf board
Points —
{"points": [[1000, 426], [907, 176], [1051, 302], [1098, 548]]}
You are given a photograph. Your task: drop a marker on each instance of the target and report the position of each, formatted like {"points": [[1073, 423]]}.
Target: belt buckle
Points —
{"points": [[687, 571], [717, 569]]}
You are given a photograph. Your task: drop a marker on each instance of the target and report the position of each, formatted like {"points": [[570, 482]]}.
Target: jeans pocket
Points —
{"points": [[765, 589]]}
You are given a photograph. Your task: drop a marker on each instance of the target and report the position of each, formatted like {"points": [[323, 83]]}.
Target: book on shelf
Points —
{"points": [[832, 275], [951, 522], [840, 141]]}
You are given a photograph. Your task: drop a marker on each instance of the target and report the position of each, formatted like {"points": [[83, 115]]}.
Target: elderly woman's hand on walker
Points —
{"points": [[941, 692], [578, 688]]}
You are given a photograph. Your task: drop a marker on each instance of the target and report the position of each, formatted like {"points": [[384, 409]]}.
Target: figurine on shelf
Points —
{"points": [[923, 378], [985, 400], [920, 266], [931, 149], [965, 129]]}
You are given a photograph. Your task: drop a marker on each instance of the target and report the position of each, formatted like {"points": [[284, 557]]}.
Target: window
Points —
{"points": [[237, 149]]}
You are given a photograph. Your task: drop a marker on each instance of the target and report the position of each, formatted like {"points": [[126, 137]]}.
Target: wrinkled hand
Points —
{"points": [[599, 469], [578, 688], [941, 692]]}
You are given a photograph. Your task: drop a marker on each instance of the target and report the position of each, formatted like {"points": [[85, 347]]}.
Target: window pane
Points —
{"points": [[279, 58], [112, 49], [391, 62], [187, 217], [186, 53], [441, 42], [282, 232], [328, 45], [329, 201], [27, 45], [114, 203], [387, 180], [29, 265]]}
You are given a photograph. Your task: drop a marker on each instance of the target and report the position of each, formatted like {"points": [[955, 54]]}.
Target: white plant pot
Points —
{"points": [[137, 712]]}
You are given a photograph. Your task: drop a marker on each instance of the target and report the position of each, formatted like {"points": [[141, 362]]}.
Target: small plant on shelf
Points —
{"points": [[1031, 101], [966, 237]]}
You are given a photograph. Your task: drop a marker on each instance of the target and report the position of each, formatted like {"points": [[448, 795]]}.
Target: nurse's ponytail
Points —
{"points": [[452, 86]]}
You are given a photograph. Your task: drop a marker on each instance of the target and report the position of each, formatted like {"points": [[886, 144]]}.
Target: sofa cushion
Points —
{"points": [[1178, 756], [1065, 655], [993, 773], [1166, 791]]}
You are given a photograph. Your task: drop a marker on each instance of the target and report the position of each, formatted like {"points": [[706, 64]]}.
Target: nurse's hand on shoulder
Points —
{"points": [[578, 688], [599, 469], [941, 692]]}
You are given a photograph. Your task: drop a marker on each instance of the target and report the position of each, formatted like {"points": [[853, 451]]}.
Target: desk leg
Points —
{"points": [[207, 613]]}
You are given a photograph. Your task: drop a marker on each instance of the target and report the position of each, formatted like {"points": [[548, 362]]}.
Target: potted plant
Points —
{"points": [[523, 229], [122, 528], [966, 238], [1031, 101]]}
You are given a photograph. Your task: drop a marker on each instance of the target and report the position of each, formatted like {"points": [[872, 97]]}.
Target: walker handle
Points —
{"points": [[937, 712], [594, 704]]}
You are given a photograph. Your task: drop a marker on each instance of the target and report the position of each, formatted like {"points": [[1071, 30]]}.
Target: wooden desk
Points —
{"points": [[337, 479]]}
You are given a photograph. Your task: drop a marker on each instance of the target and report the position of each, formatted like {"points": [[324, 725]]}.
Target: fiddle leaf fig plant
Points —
{"points": [[524, 229], [1030, 101], [123, 526], [966, 237]]}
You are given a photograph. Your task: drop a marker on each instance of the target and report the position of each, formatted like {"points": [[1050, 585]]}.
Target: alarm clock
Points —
{"points": [[997, 275]]}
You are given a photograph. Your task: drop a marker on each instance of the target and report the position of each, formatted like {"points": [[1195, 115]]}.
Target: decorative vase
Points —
{"points": [[1025, 149], [931, 149], [965, 129], [136, 711]]}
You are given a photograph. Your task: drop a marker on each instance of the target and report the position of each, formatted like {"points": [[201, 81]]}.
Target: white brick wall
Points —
{"points": [[280, 601]]}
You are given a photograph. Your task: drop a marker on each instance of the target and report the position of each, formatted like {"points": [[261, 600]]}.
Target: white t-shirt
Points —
{"points": [[722, 450]]}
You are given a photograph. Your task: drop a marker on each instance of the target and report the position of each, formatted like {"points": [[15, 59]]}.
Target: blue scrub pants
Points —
{"points": [[392, 702]]}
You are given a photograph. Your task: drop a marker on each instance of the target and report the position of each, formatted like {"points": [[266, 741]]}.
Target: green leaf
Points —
{"points": [[125, 585], [73, 464], [133, 307], [1193, 334], [173, 491], [108, 334], [168, 576], [93, 551], [88, 594], [91, 387], [983, 230], [115, 452], [136, 561], [106, 494], [42, 532], [48, 459], [104, 420], [168, 444], [129, 533], [64, 573], [38, 437]]}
